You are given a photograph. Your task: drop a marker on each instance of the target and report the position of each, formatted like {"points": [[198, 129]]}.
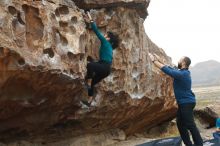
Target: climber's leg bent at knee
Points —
{"points": [[96, 72], [90, 73]]}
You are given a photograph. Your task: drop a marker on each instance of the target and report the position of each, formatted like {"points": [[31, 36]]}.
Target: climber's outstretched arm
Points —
{"points": [[95, 28], [175, 73]]}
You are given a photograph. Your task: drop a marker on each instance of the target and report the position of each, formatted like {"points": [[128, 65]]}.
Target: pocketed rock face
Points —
{"points": [[43, 55]]}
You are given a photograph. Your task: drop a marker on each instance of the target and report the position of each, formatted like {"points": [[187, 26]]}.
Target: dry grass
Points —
{"points": [[207, 95]]}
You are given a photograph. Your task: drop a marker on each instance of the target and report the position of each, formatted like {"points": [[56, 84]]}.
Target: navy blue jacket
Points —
{"points": [[182, 84]]}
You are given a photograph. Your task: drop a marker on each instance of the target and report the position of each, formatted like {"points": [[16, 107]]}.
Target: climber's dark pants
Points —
{"points": [[97, 71], [186, 123]]}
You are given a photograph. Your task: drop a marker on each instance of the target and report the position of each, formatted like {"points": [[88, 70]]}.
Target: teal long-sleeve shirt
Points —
{"points": [[218, 123], [105, 50]]}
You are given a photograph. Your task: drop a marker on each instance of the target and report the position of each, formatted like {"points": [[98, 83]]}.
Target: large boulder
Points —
{"points": [[208, 115], [43, 56], [139, 5]]}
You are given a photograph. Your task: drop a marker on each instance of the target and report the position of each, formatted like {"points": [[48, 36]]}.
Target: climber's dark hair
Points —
{"points": [[187, 61], [114, 40]]}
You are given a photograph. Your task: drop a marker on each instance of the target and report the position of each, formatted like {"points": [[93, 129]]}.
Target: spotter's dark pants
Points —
{"points": [[186, 124]]}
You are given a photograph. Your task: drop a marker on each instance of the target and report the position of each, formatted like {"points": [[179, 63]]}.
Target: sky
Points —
{"points": [[185, 28]]}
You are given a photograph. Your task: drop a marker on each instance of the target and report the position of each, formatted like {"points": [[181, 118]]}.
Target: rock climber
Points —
{"points": [[216, 134], [96, 71], [185, 98]]}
